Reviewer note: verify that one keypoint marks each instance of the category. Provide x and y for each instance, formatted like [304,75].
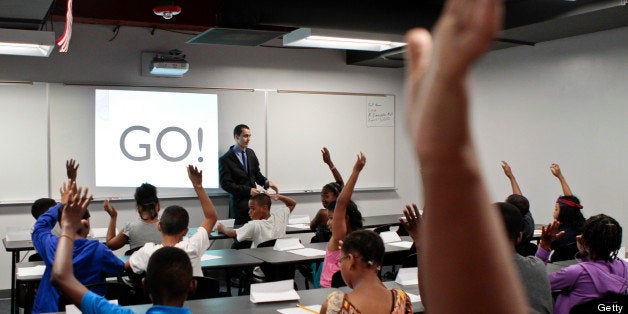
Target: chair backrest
[206,288]
[565,252]
[35,258]
[131,251]
[381,229]
[409,261]
[114,291]
[595,305]
[239,245]
[337,281]
[269,243]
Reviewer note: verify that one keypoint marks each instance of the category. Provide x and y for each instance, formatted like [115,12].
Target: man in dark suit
[239,174]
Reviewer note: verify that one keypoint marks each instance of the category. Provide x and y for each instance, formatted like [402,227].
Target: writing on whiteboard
[380,112]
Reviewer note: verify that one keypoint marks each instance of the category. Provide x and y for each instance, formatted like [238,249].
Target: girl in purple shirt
[599,271]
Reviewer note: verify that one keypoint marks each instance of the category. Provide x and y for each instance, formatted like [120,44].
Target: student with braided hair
[599,271]
[136,233]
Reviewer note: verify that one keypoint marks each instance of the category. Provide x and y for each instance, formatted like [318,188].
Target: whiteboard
[72,132]
[24,138]
[300,124]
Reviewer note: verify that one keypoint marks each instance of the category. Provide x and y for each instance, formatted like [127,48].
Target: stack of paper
[18,234]
[308,252]
[31,271]
[392,238]
[273,291]
[408,276]
[288,244]
[225,222]
[299,219]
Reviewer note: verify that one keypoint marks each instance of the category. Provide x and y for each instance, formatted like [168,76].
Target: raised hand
[360,162]
[326,156]
[66,190]
[74,210]
[555,169]
[412,223]
[110,209]
[507,170]
[71,168]
[195,175]
[273,186]
[550,233]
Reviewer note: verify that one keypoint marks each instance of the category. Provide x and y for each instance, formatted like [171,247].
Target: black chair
[131,251]
[564,253]
[114,291]
[593,306]
[206,288]
[337,281]
[527,249]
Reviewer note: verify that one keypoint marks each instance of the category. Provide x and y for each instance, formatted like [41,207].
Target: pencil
[305,308]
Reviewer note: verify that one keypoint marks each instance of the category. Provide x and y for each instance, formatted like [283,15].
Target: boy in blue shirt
[93,261]
[168,275]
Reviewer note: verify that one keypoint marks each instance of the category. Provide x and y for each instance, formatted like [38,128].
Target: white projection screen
[150,136]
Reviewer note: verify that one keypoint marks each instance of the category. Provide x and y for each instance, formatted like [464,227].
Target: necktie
[244,163]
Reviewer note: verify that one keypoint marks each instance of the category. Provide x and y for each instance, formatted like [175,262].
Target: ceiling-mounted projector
[172,64]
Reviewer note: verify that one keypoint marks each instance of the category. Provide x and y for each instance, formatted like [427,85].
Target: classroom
[560,101]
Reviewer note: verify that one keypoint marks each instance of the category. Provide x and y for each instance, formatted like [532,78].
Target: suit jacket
[238,183]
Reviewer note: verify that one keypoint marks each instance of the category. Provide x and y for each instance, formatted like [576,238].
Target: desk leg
[16,259]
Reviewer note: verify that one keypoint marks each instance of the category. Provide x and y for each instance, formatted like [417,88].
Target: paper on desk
[403,244]
[100,232]
[18,234]
[300,226]
[31,271]
[389,236]
[297,310]
[537,232]
[273,291]
[285,244]
[225,222]
[414,298]
[407,276]
[299,219]
[209,257]
[72,309]
[308,252]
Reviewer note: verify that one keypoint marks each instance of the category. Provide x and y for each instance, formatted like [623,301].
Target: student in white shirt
[174,226]
[266,224]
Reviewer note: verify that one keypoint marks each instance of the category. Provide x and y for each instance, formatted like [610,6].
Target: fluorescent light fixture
[26,42]
[336,39]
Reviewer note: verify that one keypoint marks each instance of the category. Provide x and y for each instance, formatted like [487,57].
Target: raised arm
[290,203]
[339,226]
[62,276]
[555,169]
[114,241]
[412,224]
[334,171]
[71,168]
[511,177]
[209,211]
[459,217]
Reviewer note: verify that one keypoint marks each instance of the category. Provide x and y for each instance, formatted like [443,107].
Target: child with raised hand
[599,272]
[329,193]
[174,226]
[344,219]
[456,200]
[168,279]
[568,214]
[93,261]
[521,202]
[361,257]
[136,233]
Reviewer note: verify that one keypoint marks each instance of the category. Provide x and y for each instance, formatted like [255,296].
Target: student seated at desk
[599,271]
[139,232]
[531,269]
[174,226]
[344,218]
[568,212]
[94,262]
[361,257]
[524,247]
[266,224]
[168,275]
[329,193]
